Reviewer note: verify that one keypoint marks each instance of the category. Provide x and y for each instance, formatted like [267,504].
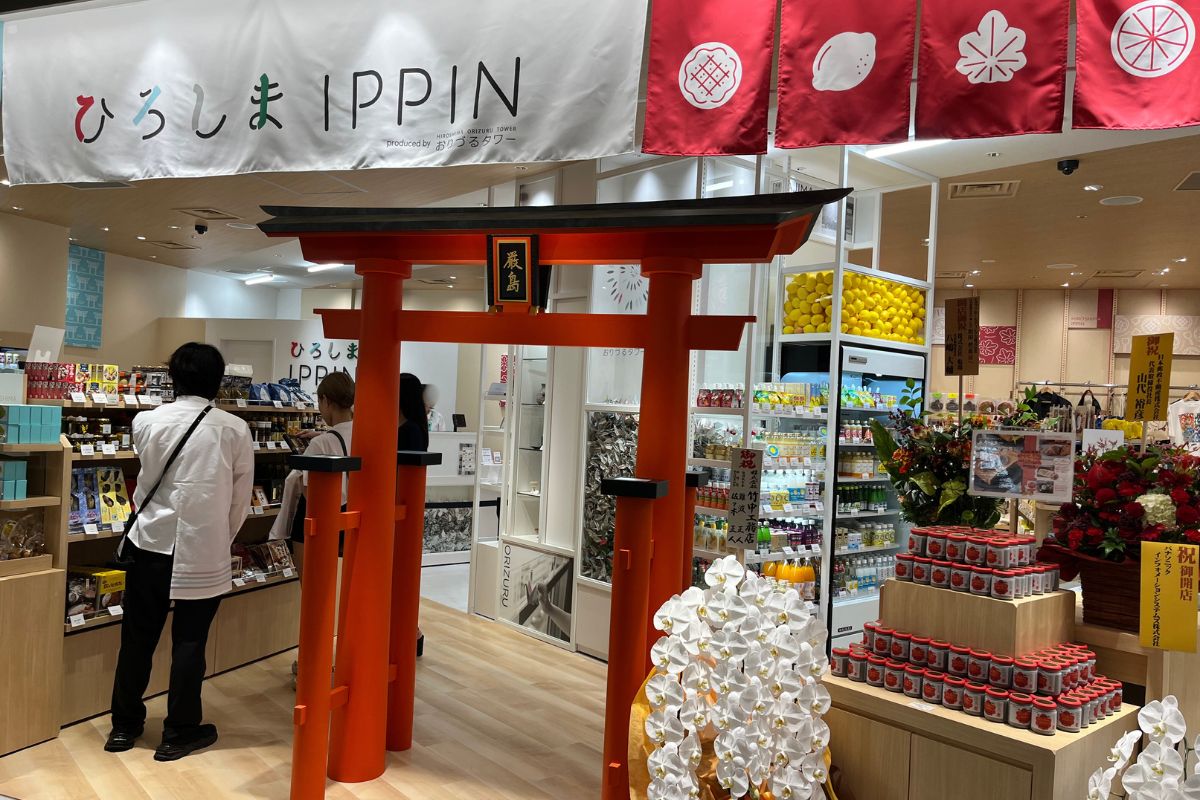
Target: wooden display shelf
[23,566]
[26,449]
[29,502]
[120,455]
[934,752]
[1008,627]
[31,660]
[100,620]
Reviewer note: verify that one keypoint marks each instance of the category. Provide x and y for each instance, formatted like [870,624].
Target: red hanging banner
[1134,65]
[709,77]
[991,68]
[844,72]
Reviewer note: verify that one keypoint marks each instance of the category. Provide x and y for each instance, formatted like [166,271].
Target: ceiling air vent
[211,214]
[1119,273]
[951,276]
[83,187]
[983,190]
[1189,184]
[172,245]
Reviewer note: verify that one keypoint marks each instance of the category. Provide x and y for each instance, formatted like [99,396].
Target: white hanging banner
[189,88]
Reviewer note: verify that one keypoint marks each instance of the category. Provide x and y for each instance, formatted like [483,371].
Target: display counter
[892,747]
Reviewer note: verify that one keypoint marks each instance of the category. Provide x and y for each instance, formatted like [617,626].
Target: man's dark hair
[196,369]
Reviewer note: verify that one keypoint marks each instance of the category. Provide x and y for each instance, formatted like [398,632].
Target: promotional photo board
[1022,465]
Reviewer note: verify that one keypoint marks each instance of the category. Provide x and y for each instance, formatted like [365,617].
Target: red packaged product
[1069,711]
[914,678]
[1045,716]
[957,661]
[952,692]
[979,663]
[1020,710]
[875,666]
[931,691]
[940,574]
[893,676]
[939,653]
[921,569]
[918,651]
[973,695]
[1000,673]
[995,705]
[882,644]
[981,581]
[901,643]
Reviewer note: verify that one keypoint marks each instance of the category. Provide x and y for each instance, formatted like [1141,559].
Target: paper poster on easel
[1022,465]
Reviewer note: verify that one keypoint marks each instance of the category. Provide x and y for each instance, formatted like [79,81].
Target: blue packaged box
[22,489]
[8,490]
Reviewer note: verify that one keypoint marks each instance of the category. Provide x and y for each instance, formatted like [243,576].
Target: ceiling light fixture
[1081,216]
[988,261]
[1066,286]
[1181,260]
[1093,187]
[993,154]
[105,229]
[324,267]
[17,208]
[903,147]
[257,279]
[976,272]
[173,227]
[719,185]
[141,238]
[1121,200]
[969,285]
[5,182]
[242,226]
[450,286]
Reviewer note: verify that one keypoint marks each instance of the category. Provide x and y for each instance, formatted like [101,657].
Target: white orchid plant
[1161,770]
[738,666]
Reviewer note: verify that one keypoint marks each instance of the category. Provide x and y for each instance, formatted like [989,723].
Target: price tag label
[87,450]
[255,446]
[238,582]
[278,403]
[118,527]
[788,507]
[301,406]
[145,399]
[241,403]
[115,611]
[289,573]
[78,397]
[76,620]
[766,508]
[91,529]
[260,578]
[256,510]
[272,445]
[131,400]
[789,551]
[100,398]
[108,449]
[919,706]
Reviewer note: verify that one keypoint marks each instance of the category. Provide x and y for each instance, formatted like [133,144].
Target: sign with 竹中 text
[745,480]
[190,88]
[1168,612]
[962,336]
[1150,377]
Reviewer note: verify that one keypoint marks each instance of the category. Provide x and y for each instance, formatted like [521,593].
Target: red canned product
[893,676]
[1045,716]
[931,687]
[935,544]
[1071,668]
[1118,692]
[1001,672]
[916,541]
[914,679]
[995,705]
[1036,580]
[1003,584]
[869,629]
[958,660]
[1050,677]
[1089,705]
[903,567]
[981,581]
[976,550]
[901,642]
[838,660]
[1020,710]
[973,695]
[998,554]
[1025,675]
[856,667]
[1069,712]
[979,662]
[940,574]
[1088,673]
[875,666]
[952,692]
[882,644]
[960,577]
[921,569]
[1051,572]
[956,547]
[939,653]
[918,651]
[1022,583]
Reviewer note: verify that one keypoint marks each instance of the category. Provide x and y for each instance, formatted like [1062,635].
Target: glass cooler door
[867,529]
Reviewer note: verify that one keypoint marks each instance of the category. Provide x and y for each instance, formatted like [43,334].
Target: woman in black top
[414,431]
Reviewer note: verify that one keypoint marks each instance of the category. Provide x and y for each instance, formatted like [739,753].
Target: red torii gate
[671,240]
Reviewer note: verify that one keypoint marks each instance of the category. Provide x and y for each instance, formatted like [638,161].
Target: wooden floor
[499,715]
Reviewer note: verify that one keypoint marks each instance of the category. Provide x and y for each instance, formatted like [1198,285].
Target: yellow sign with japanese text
[1150,376]
[1169,577]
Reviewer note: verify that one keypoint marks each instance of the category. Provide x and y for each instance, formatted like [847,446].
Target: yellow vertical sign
[1169,575]
[1150,376]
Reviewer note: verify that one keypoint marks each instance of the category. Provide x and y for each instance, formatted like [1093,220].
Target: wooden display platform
[31,607]
[1008,627]
[891,747]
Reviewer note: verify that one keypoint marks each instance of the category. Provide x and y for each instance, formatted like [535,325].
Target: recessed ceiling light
[453,277]
[173,227]
[1061,266]
[1121,200]
[105,229]
[969,285]
[1093,187]
[993,154]
[521,169]
[1165,270]
[17,208]
[257,279]
[324,267]
[72,239]
[1066,285]
[1181,260]
[242,226]
[976,272]
[450,286]
[1081,216]
[141,238]
[1076,274]
[988,261]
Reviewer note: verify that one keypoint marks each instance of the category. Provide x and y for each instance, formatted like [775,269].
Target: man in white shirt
[180,549]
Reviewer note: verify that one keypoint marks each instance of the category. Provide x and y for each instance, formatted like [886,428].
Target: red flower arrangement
[1122,498]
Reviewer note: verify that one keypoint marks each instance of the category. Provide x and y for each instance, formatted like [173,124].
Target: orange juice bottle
[770,568]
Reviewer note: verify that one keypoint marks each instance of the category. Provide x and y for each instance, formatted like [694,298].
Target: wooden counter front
[951,754]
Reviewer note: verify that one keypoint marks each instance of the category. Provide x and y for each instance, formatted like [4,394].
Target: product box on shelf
[91,590]
[114,496]
[25,424]
[14,479]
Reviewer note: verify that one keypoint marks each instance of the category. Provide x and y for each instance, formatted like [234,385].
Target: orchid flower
[730,745]
[727,644]
[815,698]
[1100,784]
[782,645]
[673,615]
[669,655]
[787,683]
[667,789]
[692,597]
[758,765]
[696,677]
[1187,790]
[694,714]
[664,689]
[662,727]
[1121,752]
[790,784]
[727,713]
[820,735]
[756,700]
[787,715]
[1158,767]
[691,751]
[1162,721]
[732,776]
[792,746]
[724,609]
[725,573]
[813,767]
[727,677]
[791,612]
[666,762]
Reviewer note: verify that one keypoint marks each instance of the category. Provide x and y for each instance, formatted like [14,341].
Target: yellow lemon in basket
[788,329]
[810,329]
